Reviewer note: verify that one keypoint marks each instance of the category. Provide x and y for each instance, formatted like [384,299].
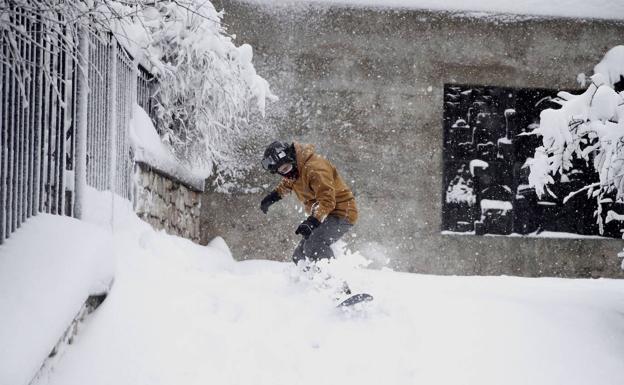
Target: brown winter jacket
[319,187]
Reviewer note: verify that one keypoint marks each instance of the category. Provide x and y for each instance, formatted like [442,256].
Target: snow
[460,191]
[599,9]
[477,163]
[48,268]
[612,65]
[543,234]
[490,204]
[149,149]
[613,216]
[182,313]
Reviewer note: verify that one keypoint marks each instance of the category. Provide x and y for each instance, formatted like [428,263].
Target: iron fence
[40,70]
[36,114]
[147,88]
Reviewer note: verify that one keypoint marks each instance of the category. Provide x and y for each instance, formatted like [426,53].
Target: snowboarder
[327,199]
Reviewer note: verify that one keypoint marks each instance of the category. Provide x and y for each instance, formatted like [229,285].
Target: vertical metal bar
[10,226]
[24,123]
[100,143]
[3,136]
[16,140]
[98,109]
[100,121]
[45,126]
[60,140]
[120,108]
[98,132]
[62,121]
[132,96]
[74,73]
[105,113]
[58,125]
[49,127]
[94,116]
[28,125]
[38,116]
[130,100]
[122,127]
[122,103]
[99,116]
[67,205]
[128,103]
[20,129]
[81,122]
[90,133]
[53,140]
[112,116]
[32,107]
[118,117]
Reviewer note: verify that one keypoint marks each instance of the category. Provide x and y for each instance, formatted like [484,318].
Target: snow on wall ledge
[583,9]
[149,149]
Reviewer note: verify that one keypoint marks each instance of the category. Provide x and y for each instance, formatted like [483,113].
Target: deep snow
[180,313]
[48,268]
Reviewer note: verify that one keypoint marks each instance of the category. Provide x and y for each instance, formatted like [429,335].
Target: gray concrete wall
[366,86]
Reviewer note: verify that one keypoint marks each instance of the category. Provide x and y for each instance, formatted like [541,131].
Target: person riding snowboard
[327,199]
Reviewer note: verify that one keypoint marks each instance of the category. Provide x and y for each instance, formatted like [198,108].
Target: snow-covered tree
[588,127]
[208,87]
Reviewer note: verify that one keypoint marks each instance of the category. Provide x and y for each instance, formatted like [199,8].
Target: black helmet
[276,154]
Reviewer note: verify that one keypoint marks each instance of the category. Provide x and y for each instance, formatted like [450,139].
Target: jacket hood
[303,153]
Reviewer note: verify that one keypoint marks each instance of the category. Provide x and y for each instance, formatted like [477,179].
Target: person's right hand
[269,200]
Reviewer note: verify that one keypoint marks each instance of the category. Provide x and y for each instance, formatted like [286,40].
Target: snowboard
[354,299]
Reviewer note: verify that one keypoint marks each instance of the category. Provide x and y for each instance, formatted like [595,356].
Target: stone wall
[366,86]
[166,203]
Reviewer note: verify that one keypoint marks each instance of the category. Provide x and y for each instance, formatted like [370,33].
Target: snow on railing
[45,156]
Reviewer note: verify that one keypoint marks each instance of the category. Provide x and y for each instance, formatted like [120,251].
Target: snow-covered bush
[208,87]
[588,127]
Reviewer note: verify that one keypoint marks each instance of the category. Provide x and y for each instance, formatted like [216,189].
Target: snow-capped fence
[63,127]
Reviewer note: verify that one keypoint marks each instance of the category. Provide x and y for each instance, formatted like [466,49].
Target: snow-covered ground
[599,9]
[180,313]
[48,268]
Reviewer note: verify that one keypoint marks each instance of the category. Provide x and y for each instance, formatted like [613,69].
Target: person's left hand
[307,227]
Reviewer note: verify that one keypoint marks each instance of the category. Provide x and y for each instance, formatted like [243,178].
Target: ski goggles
[271,161]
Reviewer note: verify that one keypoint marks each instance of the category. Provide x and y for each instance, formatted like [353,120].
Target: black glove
[306,227]
[269,200]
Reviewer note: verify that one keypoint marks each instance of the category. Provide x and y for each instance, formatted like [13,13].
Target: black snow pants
[318,246]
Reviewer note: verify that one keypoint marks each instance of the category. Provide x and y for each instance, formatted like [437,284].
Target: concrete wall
[366,86]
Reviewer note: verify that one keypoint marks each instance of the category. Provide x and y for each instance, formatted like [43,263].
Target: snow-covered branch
[588,127]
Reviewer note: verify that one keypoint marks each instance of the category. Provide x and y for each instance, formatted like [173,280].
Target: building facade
[380,93]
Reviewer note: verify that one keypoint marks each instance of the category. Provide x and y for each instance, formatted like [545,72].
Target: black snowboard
[356,298]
